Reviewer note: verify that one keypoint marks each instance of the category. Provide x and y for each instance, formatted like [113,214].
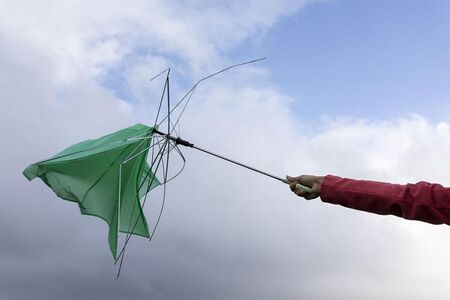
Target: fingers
[302,179]
[293,181]
[306,180]
[305,194]
[293,186]
[310,196]
[300,192]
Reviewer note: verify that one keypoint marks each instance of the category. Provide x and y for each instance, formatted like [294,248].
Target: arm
[422,201]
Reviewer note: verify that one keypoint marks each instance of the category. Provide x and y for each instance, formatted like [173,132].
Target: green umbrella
[106,177]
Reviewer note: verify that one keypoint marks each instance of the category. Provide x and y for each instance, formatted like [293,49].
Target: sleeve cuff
[327,188]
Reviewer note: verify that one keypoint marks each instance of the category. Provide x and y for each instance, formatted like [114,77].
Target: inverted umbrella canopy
[106,176]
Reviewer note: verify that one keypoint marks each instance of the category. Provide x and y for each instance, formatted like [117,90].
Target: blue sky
[363,59]
[357,59]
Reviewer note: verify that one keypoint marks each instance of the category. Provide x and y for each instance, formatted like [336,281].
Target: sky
[357,89]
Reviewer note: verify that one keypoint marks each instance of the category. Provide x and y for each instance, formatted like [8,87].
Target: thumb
[292,178]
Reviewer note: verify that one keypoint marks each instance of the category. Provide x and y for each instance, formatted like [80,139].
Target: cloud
[86,40]
[226,232]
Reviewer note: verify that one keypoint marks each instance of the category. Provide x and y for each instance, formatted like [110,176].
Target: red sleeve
[422,201]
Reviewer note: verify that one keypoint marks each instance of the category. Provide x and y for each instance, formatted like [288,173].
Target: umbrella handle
[298,186]
[302,187]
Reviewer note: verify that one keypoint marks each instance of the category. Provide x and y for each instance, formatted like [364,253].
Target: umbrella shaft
[298,186]
[180,141]
[240,164]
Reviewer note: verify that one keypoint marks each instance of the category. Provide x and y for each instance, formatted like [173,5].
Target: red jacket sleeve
[421,201]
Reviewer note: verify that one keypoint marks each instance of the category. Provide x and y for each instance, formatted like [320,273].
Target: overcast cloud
[225,233]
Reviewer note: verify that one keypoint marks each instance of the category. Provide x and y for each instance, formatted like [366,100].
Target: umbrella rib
[165,173]
[209,76]
[148,188]
[103,174]
[164,193]
[162,95]
[156,76]
[139,153]
[128,236]
[88,149]
[138,189]
[183,110]
[140,186]
[167,143]
[182,158]
[111,165]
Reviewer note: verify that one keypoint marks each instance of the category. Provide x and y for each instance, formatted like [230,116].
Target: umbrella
[106,177]
[109,176]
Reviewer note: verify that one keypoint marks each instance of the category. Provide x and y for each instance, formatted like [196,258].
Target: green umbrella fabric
[106,176]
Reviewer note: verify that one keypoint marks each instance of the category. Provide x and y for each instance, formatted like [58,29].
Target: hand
[314,182]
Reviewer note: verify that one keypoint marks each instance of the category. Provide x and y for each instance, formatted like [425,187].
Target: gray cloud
[225,233]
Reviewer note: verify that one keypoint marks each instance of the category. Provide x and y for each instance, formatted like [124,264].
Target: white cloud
[324,247]
[84,39]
